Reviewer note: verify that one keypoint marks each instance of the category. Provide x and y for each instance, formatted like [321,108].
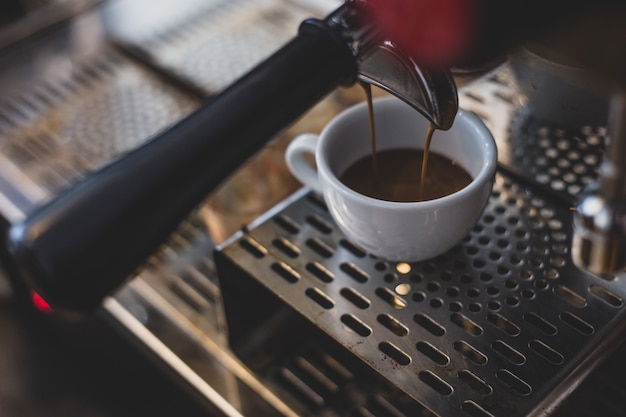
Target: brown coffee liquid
[423,171]
[404,175]
[370,113]
[399,176]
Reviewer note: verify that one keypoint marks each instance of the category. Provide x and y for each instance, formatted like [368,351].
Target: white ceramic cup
[397,231]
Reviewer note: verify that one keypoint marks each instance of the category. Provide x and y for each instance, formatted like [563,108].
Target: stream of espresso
[429,135]
[370,112]
[401,174]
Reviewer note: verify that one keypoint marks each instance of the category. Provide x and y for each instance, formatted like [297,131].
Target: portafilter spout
[432,92]
[81,246]
[431,89]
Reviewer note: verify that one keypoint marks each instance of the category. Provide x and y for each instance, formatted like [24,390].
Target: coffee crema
[398,175]
[403,175]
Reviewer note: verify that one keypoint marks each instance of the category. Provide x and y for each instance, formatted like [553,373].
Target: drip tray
[501,325]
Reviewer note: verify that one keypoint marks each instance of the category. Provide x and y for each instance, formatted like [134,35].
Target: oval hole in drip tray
[320,224]
[320,272]
[320,298]
[390,298]
[286,247]
[287,224]
[506,351]
[253,247]
[512,381]
[319,247]
[395,353]
[393,325]
[474,382]
[605,295]
[470,352]
[356,325]
[466,324]
[433,353]
[546,352]
[353,248]
[436,383]
[317,200]
[570,296]
[353,272]
[474,410]
[577,323]
[286,272]
[429,324]
[355,297]
[503,324]
[540,323]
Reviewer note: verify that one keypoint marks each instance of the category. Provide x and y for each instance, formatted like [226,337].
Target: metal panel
[502,324]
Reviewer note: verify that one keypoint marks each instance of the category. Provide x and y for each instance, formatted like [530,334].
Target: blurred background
[83,81]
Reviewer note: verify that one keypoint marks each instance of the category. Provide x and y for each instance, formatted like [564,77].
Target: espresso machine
[286,316]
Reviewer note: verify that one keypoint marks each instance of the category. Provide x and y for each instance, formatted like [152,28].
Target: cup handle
[299,167]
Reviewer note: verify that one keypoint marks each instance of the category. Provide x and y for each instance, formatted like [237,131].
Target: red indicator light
[41,304]
[432,32]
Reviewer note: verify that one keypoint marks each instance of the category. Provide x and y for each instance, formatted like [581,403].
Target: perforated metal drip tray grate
[501,325]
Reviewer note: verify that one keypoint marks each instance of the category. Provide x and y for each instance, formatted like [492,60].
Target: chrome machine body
[286,317]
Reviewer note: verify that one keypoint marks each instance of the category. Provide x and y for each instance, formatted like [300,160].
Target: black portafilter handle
[82,245]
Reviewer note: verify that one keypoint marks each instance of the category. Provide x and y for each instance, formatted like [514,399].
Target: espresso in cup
[403,175]
[389,228]
[396,175]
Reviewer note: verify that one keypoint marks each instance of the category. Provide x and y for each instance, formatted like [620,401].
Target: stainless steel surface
[381,63]
[221,43]
[83,104]
[54,368]
[560,94]
[212,43]
[86,102]
[556,159]
[556,90]
[599,242]
[431,92]
[37,15]
[66,126]
[504,324]
[173,309]
[500,325]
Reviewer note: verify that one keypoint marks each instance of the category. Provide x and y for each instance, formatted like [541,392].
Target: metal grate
[501,325]
[223,40]
[559,159]
[62,129]
[183,274]
[493,327]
